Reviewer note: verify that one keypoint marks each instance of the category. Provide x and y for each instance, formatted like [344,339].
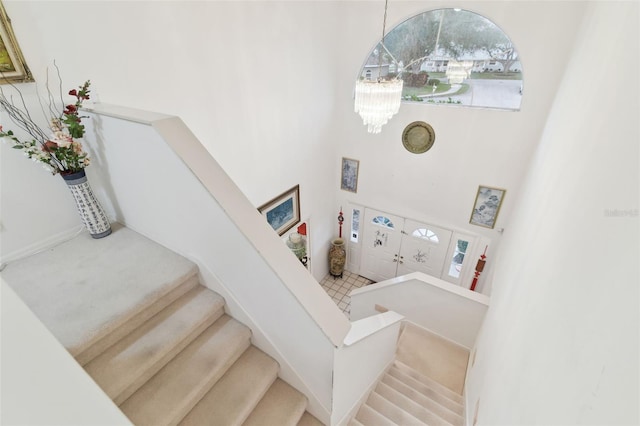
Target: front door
[380,245]
[424,248]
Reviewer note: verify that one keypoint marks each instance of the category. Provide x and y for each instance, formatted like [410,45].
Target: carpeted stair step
[429,387]
[355,422]
[434,356]
[367,415]
[129,363]
[431,414]
[440,406]
[308,419]
[171,394]
[282,405]
[231,400]
[391,411]
[137,315]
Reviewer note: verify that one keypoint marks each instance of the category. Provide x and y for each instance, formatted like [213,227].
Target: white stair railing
[368,350]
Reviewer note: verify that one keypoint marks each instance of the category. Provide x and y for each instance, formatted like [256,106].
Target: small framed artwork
[487,206]
[283,211]
[13,68]
[349,179]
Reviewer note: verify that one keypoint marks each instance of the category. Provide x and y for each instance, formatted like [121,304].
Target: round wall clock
[418,137]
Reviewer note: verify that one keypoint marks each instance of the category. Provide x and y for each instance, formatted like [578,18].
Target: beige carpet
[83,288]
[433,356]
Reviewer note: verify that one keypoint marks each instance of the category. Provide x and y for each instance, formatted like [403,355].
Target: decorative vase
[89,208]
[337,257]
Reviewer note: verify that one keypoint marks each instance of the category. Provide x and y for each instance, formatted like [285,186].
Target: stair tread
[169,395]
[428,415]
[425,396]
[231,400]
[308,419]
[427,381]
[391,411]
[367,415]
[434,356]
[128,364]
[282,405]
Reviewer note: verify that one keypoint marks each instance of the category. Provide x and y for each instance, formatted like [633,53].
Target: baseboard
[39,246]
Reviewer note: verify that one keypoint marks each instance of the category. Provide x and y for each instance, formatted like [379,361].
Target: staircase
[422,387]
[157,342]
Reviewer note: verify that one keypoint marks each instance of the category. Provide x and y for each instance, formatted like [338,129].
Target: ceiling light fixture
[378,100]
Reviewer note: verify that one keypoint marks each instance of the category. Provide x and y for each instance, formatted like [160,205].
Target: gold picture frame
[487,206]
[283,211]
[13,67]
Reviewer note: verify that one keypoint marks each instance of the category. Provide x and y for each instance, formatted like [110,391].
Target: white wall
[41,382]
[34,206]
[560,341]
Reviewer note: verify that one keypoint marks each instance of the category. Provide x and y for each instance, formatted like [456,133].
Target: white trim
[40,246]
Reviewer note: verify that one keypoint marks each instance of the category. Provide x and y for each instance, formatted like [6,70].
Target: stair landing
[433,356]
[112,280]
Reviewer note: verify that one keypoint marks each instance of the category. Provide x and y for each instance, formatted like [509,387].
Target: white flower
[63,142]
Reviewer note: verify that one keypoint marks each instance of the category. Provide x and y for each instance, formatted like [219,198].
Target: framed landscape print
[349,178]
[487,206]
[283,211]
[13,68]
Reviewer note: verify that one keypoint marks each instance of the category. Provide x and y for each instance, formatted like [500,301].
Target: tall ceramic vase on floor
[337,257]
[90,210]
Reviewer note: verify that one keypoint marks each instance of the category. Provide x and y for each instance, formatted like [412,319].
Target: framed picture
[487,206]
[283,211]
[349,179]
[13,68]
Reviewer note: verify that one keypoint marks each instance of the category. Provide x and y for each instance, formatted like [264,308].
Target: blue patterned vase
[90,210]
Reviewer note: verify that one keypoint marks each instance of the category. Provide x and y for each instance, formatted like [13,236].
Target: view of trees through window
[450,56]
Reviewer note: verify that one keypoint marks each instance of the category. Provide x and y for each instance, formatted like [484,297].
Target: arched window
[426,234]
[383,221]
[450,56]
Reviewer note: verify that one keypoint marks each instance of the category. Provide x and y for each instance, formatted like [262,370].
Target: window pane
[450,56]
[355,225]
[458,258]
[383,221]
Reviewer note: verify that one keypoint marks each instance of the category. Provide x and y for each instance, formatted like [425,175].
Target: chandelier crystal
[377,102]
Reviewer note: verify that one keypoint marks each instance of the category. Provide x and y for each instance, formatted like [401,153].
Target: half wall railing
[448,310]
[156,178]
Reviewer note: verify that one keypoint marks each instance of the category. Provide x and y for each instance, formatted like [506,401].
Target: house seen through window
[450,56]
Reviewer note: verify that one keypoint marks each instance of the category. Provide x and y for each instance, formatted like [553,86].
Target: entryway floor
[339,288]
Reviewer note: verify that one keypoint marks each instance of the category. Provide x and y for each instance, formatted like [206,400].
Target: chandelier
[378,100]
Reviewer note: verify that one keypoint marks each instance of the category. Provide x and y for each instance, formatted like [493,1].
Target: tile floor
[339,288]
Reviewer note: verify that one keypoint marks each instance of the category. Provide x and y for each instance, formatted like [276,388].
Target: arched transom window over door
[450,56]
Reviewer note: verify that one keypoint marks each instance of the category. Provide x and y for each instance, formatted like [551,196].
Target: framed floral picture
[349,178]
[13,68]
[487,206]
[283,212]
